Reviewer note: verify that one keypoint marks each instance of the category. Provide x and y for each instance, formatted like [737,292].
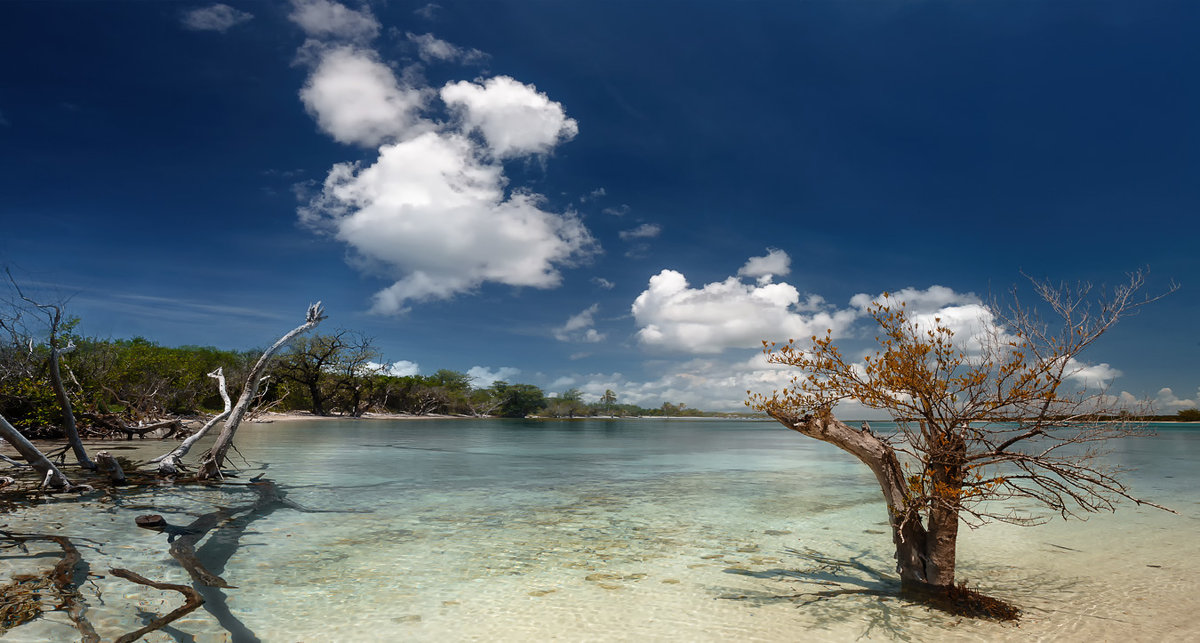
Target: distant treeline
[1186,415]
[137,380]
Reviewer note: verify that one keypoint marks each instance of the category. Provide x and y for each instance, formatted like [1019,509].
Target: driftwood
[8,460]
[170,464]
[191,602]
[21,601]
[210,465]
[110,467]
[54,319]
[40,463]
[112,425]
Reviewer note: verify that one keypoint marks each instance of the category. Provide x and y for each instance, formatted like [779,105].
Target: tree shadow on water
[853,590]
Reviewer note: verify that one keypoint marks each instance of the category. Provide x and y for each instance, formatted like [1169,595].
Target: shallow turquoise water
[616,530]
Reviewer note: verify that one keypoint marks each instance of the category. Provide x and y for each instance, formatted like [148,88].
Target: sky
[601,195]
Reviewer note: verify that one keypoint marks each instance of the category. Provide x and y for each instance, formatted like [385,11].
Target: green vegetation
[1188,415]
[127,381]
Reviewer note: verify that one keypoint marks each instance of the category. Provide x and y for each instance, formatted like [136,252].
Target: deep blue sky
[153,161]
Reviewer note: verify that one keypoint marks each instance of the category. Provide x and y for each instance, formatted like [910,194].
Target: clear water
[592,530]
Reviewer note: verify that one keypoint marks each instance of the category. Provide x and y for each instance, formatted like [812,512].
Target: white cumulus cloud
[726,314]
[713,384]
[514,118]
[435,212]
[1090,375]
[432,213]
[357,99]
[402,368]
[332,20]
[776,263]
[972,323]
[218,17]
[929,300]
[1168,402]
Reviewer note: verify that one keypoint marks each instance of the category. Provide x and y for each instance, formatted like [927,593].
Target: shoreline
[305,416]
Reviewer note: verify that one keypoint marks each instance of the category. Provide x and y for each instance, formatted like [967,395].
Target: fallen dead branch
[192,600]
[21,600]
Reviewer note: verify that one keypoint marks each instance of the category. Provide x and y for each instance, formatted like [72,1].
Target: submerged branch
[192,600]
[20,601]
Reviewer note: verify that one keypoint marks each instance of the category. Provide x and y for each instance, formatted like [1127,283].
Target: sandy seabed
[703,552]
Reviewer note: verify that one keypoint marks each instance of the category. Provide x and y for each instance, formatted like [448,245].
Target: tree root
[20,601]
[192,601]
[961,600]
[27,597]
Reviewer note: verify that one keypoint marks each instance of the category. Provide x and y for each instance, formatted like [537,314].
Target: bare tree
[988,418]
[171,463]
[54,321]
[210,465]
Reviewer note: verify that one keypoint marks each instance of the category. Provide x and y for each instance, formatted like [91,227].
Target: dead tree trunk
[54,316]
[171,463]
[60,392]
[210,466]
[50,473]
[921,554]
[110,467]
[191,597]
